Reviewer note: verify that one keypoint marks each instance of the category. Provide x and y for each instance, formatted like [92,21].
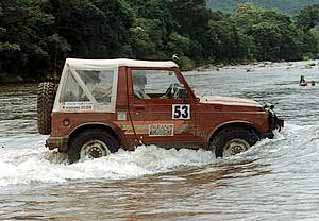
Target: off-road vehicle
[102,105]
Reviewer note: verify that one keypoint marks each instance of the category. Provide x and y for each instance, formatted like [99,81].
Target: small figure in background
[302,82]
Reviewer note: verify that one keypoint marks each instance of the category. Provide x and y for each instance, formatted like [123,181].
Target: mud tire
[45,101]
[220,141]
[76,144]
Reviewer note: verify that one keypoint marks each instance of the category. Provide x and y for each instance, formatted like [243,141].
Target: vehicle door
[161,109]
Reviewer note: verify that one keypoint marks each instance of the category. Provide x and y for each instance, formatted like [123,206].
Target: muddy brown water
[276,180]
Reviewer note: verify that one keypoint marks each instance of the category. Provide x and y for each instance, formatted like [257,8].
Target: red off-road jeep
[106,104]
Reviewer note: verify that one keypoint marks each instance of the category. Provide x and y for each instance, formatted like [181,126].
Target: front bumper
[60,143]
[275,123]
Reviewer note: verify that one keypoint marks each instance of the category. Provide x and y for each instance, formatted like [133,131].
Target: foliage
[36,36]
[309,17]
[275,35]
[286,6]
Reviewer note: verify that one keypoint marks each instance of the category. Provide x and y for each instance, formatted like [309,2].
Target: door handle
[140,107]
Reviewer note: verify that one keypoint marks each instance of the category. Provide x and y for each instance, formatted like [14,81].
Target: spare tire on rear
[45,101]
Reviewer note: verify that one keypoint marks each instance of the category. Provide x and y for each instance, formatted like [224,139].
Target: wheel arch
[108,128]
[243,124]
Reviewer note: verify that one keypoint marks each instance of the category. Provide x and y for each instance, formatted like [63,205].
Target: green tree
[227,44]
[308,18]
[191,16]
[142,35]
[276,36]
[94,29]
[152,28]
[179,44]
[24,37]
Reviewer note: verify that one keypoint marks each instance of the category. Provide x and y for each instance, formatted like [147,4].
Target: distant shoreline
[202,68]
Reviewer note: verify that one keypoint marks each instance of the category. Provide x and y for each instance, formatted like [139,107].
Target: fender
[231,123]
[115,129]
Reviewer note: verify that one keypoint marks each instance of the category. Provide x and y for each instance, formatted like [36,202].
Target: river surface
[276,180]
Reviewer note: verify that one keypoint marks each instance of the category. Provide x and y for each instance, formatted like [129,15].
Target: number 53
[181,112]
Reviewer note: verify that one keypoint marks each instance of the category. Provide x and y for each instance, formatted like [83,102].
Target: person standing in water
[302,81]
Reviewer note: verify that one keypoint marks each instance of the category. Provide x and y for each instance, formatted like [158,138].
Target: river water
[276,180]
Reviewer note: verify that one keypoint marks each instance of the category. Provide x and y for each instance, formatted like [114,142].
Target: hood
[229,101]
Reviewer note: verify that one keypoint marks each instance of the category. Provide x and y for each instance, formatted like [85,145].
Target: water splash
[37,165]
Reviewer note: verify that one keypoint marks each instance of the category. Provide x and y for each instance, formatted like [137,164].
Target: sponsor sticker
[161,130]
[78,106]
[139,129]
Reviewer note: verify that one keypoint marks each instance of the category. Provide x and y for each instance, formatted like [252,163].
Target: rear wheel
[92,144]
[233,140]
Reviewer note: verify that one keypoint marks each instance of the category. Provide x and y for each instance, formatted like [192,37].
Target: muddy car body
[106,104]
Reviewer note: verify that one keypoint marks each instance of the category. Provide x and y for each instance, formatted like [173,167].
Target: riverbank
[249,67]
[6,79]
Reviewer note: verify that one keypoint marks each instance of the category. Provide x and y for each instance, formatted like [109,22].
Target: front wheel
[92,144]
[232,141]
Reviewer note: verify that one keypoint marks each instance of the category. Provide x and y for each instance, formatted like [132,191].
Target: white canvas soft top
[90,85]
[117,62]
